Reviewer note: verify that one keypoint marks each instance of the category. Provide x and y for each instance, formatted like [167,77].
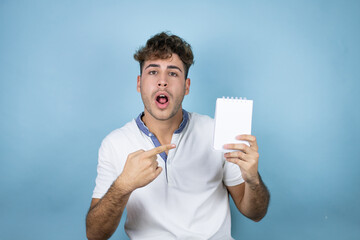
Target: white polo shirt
[188,200]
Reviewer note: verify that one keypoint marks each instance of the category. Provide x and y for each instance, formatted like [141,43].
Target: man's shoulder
[120,134]
[197,118]
[200,123]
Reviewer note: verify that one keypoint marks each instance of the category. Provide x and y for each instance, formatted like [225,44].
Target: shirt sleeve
[232,174]
[106,170]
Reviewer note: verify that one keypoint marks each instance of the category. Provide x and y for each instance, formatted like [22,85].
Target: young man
[161,166]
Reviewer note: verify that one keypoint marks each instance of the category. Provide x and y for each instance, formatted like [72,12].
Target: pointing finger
[160,149]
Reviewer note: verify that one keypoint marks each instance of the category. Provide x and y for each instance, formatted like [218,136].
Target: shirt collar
[144,129]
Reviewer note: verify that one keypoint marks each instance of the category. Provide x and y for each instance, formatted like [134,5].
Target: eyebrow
[174,67]
[152,65]
[168,67]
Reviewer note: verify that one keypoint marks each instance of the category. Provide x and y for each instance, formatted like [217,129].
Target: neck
[163,129]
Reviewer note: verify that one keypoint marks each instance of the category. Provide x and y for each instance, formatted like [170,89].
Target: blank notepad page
[232,117]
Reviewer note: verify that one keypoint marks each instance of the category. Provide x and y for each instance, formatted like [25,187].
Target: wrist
[122,185]
[254,181]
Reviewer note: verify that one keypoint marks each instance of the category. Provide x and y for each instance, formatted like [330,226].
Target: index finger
[160,149]
[249,138]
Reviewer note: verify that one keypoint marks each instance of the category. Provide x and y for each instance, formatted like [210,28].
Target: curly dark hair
[162,46]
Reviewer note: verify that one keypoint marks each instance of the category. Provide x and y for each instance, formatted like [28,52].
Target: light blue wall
[67,78]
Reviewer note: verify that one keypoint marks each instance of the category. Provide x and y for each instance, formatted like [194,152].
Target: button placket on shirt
[170,158]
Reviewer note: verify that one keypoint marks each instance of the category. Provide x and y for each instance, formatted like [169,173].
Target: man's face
[163,86]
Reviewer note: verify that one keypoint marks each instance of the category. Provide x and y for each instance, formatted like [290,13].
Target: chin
[164,114]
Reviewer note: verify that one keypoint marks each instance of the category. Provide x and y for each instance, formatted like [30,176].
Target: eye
[153,72]
[173,74]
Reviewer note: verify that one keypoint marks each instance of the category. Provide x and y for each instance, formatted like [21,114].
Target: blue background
[68,78]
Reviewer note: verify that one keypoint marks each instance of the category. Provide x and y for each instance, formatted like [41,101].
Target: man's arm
[104,214]
[252,197]
[251,202]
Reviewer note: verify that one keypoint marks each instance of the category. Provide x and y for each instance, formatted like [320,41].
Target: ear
[138,83]
[187,86]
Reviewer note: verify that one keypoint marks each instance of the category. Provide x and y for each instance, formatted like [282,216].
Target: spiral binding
[235,99]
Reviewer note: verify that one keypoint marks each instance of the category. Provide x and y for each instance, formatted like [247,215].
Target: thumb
[158,171]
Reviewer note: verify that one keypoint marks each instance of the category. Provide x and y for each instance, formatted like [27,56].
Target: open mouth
[162,99]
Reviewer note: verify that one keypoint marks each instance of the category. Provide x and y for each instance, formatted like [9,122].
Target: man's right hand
[141,168]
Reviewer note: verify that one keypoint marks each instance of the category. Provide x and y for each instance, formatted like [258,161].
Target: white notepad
[232,117]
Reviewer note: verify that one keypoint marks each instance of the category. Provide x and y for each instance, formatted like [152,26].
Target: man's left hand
[246,157]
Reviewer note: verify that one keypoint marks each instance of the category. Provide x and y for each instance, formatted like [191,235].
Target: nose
[162,82]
